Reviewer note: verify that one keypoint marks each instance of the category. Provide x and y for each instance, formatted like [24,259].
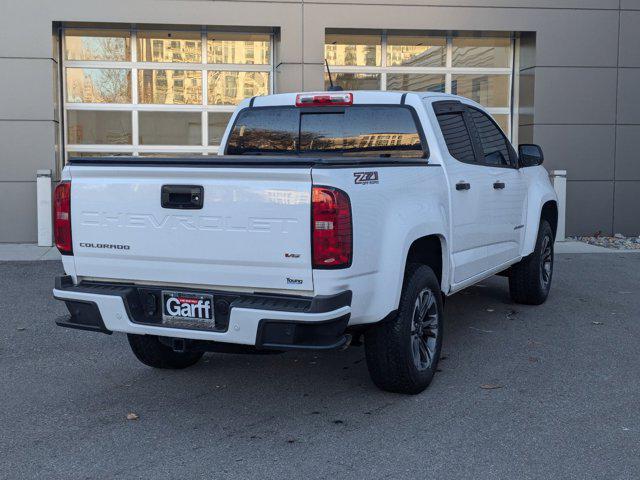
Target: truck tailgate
[252,230]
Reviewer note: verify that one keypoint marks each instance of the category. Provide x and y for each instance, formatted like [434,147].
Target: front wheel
[402,353]
[530,279]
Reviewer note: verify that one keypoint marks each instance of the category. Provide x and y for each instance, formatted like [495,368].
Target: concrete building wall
[579,77]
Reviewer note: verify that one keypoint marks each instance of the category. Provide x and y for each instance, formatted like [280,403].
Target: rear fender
[416,234]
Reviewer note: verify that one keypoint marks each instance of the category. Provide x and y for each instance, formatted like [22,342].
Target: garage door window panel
[416,83]
[354,81]
[170,128]
[239,48]
[487,90]
[97,45]
[169,46]
[170,87]
[353,50]
[477,52]
[86,127]
[230,88]
[217,125]
[98,85]
[416,51]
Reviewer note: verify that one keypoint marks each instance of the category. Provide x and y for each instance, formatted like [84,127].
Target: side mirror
[530,155]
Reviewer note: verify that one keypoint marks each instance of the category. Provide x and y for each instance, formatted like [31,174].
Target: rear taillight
[324,99]
[331,228]
[62,218]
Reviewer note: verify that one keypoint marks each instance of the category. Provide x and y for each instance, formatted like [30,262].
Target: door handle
[463,186]
[499,185]
[182,197]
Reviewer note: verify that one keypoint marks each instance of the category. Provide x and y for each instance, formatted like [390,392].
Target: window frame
[133,66]
[426,153]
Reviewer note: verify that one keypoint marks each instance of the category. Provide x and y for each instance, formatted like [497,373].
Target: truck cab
[327,217]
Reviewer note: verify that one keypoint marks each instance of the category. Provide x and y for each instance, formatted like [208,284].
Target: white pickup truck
[327,219]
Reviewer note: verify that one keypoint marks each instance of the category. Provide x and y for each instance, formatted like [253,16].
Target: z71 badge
[366,178]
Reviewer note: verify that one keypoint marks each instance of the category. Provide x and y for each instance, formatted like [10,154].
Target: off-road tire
[389,347]
[529,282]
[150,351]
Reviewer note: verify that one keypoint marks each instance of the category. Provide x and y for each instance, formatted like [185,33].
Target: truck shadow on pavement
[478,311]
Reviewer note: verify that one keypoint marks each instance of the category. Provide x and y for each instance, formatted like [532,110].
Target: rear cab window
[376,131]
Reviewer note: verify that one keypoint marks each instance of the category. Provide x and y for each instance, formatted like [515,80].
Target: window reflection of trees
[98,85]
[97,48]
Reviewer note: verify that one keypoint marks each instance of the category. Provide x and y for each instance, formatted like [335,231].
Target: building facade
[161,77]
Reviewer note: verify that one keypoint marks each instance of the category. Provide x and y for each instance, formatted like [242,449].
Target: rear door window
[369,130]
[456,136]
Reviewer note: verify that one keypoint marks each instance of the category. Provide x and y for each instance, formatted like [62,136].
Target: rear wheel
[530,279]
[402,353]
[153,353]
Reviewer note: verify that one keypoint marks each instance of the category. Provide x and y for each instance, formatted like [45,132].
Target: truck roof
[359,96]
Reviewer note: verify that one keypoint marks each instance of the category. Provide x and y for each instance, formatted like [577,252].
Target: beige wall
[580,71]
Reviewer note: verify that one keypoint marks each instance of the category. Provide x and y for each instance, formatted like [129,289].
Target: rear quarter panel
[406,203]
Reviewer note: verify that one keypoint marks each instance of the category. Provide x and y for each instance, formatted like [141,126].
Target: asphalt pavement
[561,396]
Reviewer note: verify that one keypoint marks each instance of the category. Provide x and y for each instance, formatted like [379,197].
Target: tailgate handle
[183,197]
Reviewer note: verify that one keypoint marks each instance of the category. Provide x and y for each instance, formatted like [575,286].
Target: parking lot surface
[523,393]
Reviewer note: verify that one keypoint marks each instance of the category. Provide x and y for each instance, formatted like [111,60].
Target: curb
[20,252]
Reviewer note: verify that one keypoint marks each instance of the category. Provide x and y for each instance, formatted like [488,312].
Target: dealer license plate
[187,309]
